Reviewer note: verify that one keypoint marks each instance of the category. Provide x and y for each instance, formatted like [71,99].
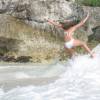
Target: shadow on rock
[21,59]
[96,34]
[8,44]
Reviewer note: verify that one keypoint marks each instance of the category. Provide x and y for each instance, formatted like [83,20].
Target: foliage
[89,2]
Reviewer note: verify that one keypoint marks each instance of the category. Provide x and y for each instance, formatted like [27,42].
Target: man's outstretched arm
[82,22]
[54,23]
[73,28]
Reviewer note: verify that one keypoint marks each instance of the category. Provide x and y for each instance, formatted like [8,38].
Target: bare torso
[67,36]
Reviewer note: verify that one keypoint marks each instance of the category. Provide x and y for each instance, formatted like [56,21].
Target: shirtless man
[70,42]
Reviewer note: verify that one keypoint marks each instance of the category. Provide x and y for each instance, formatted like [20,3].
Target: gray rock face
[93,28]
[96,34]
[37,9]
[94,20]
[34,11]
[17,16]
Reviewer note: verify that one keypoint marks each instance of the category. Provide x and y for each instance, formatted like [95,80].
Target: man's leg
[82,44]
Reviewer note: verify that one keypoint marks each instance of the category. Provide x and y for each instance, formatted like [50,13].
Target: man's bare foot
[93,55]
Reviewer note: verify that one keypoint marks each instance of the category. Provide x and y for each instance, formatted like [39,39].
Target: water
[79,79]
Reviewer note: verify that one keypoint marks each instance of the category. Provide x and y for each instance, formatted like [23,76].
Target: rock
[94,19]
[23,59]
[8,58]
[21,39]
[96,34]
[22,21]
[8,44]
[71,0]
[34,11]
[96,31]
[97,49]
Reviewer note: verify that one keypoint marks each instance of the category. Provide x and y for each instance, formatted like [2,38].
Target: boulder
[96,34]
[91,28]
[94,19]
[23,22]
[34,11]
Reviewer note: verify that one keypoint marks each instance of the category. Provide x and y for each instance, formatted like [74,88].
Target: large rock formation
[23,21]
[93,28]
[96,34]
[34,11]
[94,20]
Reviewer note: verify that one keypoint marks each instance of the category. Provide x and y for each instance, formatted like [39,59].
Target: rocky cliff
[22,23]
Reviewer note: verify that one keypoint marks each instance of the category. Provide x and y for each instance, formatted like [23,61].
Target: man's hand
[46,18]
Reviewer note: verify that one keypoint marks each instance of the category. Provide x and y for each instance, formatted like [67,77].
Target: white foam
[81,81]
[21,75]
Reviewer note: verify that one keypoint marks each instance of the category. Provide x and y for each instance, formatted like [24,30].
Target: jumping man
[70,42]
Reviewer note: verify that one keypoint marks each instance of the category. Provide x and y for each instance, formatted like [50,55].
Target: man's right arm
[54,23]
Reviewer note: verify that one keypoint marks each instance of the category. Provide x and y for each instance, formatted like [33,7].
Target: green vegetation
[89,2]
[91,44]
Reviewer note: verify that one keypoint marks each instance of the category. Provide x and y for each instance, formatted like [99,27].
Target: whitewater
[75,79]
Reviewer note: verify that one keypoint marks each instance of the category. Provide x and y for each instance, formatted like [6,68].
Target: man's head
[67,25]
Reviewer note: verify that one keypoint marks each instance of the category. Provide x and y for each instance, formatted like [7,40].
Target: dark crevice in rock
[21,59]
[8,44]
[96,34]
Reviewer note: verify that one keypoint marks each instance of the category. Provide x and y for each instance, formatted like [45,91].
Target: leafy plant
[89,2]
